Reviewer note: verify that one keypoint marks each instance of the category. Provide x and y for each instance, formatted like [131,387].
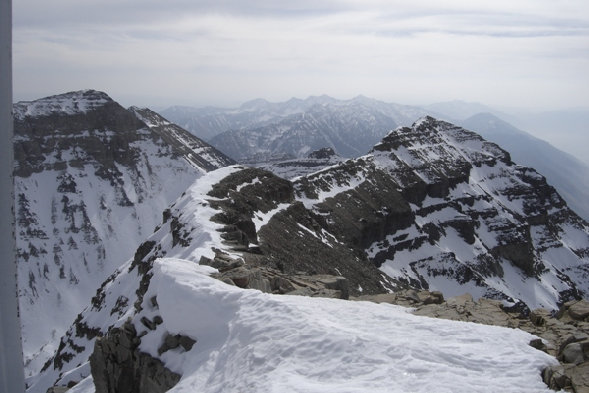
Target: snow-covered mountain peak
[70,103]
[466,218]
[91,182]
[430,134]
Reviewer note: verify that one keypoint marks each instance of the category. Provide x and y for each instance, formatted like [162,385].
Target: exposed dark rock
[222,261]
[294,240]
[118,367]
[271,280]
[176,341]
[58,389]
[179,234]
[323,153]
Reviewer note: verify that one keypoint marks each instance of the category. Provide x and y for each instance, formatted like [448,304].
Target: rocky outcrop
[118,366]
[293,168]
[436,206]
[234,271]
[573,351]
[295,241]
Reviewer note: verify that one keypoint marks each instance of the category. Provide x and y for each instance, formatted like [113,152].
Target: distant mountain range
[260,131]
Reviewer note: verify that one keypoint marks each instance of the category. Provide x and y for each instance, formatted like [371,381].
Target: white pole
[11,359]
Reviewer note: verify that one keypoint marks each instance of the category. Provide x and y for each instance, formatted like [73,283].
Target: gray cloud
[220,52]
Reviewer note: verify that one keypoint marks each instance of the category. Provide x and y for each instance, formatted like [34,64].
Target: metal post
[11,359]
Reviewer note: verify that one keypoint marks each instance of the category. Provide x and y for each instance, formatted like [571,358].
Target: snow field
[250,341]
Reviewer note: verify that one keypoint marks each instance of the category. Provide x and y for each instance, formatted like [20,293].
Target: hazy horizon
[527,54]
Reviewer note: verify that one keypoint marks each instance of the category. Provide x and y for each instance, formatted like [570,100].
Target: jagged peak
[427,133]
[73,102]
[425,120]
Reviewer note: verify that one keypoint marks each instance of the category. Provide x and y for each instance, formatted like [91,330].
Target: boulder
[573,353]
[176,341]
[579,310]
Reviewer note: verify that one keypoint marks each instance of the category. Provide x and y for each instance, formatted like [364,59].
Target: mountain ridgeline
[114,204]
[432,206]
[260,131]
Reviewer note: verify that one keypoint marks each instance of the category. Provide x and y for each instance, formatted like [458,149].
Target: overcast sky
[524,53]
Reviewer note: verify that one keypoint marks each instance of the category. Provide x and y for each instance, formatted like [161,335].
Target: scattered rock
[222,261]
[538,344]
[270,280]
[151,325]
[557,377]
[539,316]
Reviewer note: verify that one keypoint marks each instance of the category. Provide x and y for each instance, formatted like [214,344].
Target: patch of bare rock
[234,271]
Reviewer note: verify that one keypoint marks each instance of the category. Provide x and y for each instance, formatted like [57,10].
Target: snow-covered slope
[163,322]
[567,174]
[433,205]
[91,181]
[198,153]
[250,341]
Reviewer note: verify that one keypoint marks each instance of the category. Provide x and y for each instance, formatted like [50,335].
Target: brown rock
[579,376]
[579,310]
[539,316]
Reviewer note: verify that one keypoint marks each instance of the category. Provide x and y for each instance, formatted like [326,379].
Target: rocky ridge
[219,223]
[199,153]
[437,207]
[315,161]
[563,171]
[324,234]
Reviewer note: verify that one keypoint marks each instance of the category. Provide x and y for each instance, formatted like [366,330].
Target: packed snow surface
[249,341]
